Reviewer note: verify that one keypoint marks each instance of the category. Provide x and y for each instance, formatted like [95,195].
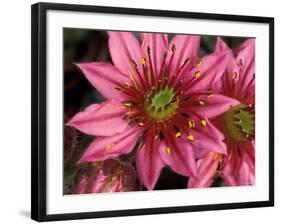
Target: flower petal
[179,155]
[103,119]
[158,44]
[208,137]
[246,59]
[148,161]
[207,168]
[106,79]
[187,46]
[124,47]
[210,71]
[231,76]
[221,46]
[103,148]
[211,106]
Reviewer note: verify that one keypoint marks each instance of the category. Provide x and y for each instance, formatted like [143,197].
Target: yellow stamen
[197,74]
[191,138]
[141,124]
[143,60]
[168,150]
[174,48]
[204,123]
[118,89]
[133,63]
[127,85]
[234,75]
[240,62]
[178,134]
[202,103]
[191,124]
[198,62]
[128,104]
[210,93]
[109,146]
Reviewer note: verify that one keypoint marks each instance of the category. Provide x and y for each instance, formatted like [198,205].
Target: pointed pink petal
[179,155]
[214,104]
[103,119]
[228,173]
[158,44]
[187,46]
[208,138]
[207,168]
[246,55]
[211,70]
[221,46]
[247,165]
[148,161]
[105,78]
[103,148]
[124,47]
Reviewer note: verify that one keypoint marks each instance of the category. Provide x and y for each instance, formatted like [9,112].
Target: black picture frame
[39,122]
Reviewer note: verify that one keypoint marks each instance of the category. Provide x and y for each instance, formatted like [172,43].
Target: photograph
[157,111]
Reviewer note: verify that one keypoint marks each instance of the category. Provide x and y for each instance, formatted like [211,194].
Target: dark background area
[83,45]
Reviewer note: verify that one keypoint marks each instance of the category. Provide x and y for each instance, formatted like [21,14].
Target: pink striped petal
[246,57]
[158,44]
[209,72]
[208,138]
[124,47]
[103,148]
[232,70]
[214,104]
[207,170]
[187,46]
[179,155]
[103,119]
[106,79]
[221,46]
[148,161]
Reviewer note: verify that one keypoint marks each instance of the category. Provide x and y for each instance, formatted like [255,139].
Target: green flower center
[162,104]
[239,122]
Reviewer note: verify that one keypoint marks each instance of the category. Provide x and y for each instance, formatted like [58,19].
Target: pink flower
[158,103]
[237,124]
[107,176]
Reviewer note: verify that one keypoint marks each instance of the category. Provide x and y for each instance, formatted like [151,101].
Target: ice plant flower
[157,98]
[237,124]
[107,176]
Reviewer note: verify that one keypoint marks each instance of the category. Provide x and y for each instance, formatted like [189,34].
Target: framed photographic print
[138,111]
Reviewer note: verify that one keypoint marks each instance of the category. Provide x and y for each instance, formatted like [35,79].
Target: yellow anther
[168,150]
[234,75]
[118,89]
[178,134]
[127,85]
[109,146]
[197,74]
[191,124]
[191,138]
[202,103]
[141,124]
[240,62]
[143,60]
[133,63]
[174,48]
[210,93]
[198,62]
[128,104]
[148,49]
[204,123]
